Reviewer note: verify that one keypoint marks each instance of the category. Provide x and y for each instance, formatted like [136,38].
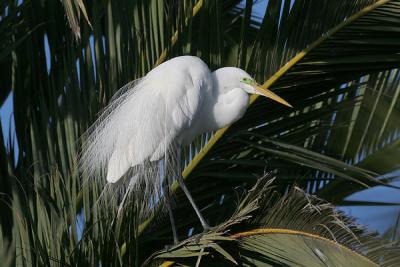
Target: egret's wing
[141,123]
[157,118]
[98,143]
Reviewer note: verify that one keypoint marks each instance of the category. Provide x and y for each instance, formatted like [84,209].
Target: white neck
[224,104]
[230,103]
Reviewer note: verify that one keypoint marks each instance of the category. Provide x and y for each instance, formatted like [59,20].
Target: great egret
[175,102]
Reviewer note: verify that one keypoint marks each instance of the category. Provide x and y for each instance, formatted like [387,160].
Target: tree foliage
[335,61]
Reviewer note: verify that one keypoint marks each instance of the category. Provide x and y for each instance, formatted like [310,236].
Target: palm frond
[323,60]
[292,229]
[60,84]
[13,31]
[237,155]
[73,10]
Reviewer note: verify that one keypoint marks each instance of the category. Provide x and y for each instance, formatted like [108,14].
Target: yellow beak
[269,94]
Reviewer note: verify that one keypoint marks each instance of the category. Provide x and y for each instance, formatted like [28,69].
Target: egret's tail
[120,145]
[139,191]
[99,141]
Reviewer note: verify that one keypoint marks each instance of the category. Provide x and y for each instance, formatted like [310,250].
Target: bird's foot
[198,237]
[170,247]
[206,229]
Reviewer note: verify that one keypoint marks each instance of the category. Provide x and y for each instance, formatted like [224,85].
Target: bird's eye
[246,80]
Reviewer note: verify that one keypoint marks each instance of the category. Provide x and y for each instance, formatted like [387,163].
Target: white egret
[175,102]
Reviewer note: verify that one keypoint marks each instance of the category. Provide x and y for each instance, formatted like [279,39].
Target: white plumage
[174,102]
[150,117]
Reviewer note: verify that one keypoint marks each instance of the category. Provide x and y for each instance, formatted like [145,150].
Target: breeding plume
[175,102]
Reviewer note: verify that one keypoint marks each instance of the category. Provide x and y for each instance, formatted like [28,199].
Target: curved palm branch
[58,96]
[314,78]
[295,229]
[327,59]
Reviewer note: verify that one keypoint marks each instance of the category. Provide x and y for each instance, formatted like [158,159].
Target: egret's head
[252,87]
[229,77]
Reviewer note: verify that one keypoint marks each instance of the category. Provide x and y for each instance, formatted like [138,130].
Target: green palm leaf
[237,155]
[49,218]
[295,229]
[287,248]
[321,62]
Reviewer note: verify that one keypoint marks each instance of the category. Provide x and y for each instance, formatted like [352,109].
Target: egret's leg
[182,184]
[191,200]
[165,188]
[121,205]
